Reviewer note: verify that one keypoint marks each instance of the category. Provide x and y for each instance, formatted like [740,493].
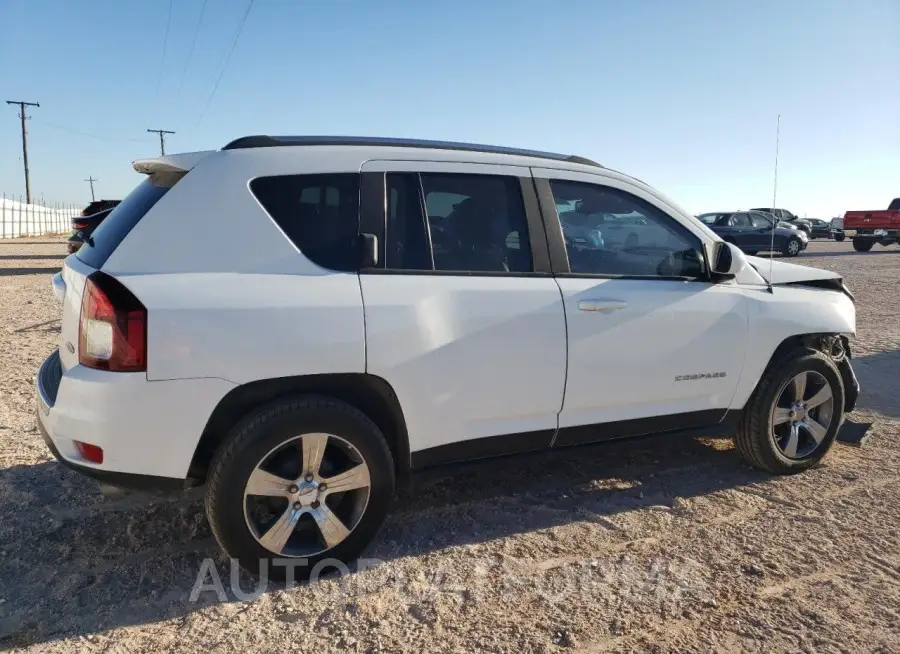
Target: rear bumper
[148,430]
[878,233]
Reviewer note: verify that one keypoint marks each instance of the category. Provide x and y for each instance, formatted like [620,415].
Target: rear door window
[116,226]
[318,213]
[456,222]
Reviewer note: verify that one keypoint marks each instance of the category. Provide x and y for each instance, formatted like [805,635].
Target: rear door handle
[603,306]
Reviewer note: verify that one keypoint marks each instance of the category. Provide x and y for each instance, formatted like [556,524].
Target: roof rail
[262,141]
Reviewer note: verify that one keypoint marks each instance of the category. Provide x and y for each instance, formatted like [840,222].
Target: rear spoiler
[171,163]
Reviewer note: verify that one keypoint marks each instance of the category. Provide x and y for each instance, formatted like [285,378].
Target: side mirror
[725,261]
[368,251]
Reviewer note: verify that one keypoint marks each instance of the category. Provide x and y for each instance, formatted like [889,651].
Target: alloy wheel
[802,414]
[306,495]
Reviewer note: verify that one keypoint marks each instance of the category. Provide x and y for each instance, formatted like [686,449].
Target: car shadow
[894,251]
[11,257]
[17,242]
[877,374]
[12,272]
[73,563]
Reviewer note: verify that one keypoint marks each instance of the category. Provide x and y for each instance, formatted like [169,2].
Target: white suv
[298,321]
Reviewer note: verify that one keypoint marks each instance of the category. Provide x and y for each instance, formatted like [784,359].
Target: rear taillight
[112,334]
[80,224]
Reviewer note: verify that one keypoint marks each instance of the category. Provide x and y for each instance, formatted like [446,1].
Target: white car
[279,321]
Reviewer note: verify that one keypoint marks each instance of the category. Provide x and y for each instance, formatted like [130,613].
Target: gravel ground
[658,545]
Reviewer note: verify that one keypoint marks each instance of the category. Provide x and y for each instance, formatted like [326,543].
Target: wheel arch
[371,394]
[834,344]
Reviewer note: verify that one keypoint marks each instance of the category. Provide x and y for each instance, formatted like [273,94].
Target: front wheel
[792,247]
[298,482]
[794,415]
[863,244]
[838,237]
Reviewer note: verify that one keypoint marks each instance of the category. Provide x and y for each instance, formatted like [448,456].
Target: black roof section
[281,141]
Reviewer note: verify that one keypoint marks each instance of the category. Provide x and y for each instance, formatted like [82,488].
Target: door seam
[566,374]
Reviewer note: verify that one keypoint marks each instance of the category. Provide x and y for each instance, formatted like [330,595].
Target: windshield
[710,218]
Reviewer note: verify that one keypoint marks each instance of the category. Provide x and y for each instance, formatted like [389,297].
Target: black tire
[839,237]
[863,244]
[258,434]
[755,440]
[792,247]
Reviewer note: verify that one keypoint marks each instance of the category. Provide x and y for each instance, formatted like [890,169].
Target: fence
[20,219]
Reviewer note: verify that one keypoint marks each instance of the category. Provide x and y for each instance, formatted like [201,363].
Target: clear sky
[680,93]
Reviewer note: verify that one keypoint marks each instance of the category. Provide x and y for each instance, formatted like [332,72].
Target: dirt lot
[658,545]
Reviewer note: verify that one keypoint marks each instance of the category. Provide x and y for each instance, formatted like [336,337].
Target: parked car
[85,224]
[818,228]
[753,232]
[786,216]
[837,229]
[83,227]
[301,342]
[871,227]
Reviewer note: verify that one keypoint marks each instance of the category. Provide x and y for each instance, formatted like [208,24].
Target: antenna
[774,198]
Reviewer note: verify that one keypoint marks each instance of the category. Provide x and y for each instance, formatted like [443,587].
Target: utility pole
[24,117]
[162,139]
[91,180]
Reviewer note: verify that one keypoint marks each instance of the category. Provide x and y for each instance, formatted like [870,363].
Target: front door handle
[603,306]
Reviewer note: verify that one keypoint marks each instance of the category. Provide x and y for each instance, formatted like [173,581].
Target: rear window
[121,220]
[318,213]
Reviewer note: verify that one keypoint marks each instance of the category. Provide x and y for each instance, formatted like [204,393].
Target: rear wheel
[792,247]
[794,415]
[306,480]
[862,244]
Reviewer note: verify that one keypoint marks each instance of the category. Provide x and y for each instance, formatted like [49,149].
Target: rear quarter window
[121,220]
[319,214]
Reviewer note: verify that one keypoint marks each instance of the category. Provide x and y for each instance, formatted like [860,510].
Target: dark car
[788,217]
[819,228]
[85,224]
[754,231]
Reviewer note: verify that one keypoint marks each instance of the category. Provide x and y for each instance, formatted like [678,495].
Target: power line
[24,116]
[112,139]
[187,63]
[91,180]
[162,62]
[227,58]
[162,139]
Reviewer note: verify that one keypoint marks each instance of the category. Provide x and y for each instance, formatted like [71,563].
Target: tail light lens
[80,224]
[112,334]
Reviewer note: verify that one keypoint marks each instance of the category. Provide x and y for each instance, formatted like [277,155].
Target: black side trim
[263,141]
[556,242]
[146,483]
[372,211]
[537,235]
[851,385]
[482,448]
[582,434]
[49,377]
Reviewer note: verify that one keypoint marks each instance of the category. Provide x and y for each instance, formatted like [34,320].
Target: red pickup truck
[873,227]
